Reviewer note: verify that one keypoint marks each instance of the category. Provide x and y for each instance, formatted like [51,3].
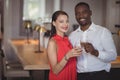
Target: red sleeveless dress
[69,71]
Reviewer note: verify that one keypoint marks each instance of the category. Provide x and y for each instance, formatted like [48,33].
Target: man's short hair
[82,3]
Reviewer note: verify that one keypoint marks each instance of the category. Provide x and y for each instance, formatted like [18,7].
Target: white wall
[112,18]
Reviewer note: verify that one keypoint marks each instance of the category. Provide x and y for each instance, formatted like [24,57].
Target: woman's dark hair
[82,3]
[54,18]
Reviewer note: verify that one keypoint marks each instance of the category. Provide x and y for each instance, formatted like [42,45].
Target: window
[33,9]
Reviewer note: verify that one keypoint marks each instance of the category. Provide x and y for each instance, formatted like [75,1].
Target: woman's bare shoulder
[52,42]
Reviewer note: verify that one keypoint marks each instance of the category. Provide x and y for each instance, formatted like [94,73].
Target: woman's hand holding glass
[76,51]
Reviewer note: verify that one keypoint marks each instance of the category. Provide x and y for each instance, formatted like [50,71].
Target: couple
[92,62]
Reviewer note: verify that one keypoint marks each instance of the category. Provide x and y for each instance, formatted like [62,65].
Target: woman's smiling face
[61,24]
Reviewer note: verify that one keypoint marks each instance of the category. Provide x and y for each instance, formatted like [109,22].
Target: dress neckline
[60,37]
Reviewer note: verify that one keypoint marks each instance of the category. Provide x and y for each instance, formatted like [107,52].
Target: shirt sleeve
[71,39]
[108,53]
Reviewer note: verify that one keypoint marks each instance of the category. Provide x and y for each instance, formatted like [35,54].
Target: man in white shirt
[98,46]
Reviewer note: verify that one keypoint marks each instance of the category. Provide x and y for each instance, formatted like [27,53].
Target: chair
[13,69]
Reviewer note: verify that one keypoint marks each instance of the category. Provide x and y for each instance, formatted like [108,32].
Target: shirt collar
[92,27]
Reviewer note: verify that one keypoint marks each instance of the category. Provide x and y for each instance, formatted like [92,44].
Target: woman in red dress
[61,55]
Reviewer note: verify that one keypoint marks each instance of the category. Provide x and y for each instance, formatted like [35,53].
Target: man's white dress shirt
[101,38]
